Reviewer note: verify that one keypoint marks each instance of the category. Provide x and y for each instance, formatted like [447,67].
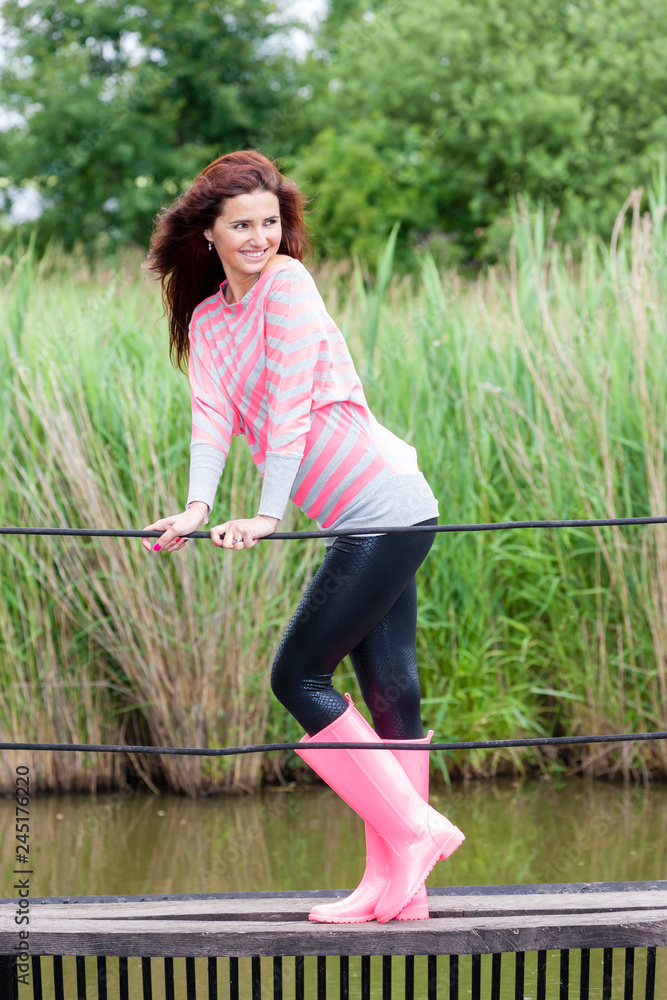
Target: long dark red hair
[178,253]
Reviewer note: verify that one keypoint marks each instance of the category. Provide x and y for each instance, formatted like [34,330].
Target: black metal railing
[628,973]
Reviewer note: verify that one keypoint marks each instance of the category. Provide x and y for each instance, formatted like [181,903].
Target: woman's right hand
[174,529]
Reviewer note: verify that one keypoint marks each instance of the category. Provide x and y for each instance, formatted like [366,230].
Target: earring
[210,245]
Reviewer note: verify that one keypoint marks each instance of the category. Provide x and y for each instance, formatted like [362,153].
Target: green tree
[434,114]
[124,104]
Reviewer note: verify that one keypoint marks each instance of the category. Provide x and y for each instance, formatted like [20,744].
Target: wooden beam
[242,927]
[295,909]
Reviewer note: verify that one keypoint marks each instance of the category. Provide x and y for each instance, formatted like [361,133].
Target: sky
[309,11]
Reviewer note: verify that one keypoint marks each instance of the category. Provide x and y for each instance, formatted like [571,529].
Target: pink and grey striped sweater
[276,368]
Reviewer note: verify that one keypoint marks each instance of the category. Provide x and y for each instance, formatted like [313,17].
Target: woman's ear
[207,235]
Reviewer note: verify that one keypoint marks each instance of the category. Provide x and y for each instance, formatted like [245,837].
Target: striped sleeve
[294,331]
[212,421]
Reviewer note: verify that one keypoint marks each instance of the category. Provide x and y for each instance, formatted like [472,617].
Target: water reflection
[138,842]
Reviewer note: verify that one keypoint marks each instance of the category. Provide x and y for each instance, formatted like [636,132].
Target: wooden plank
[518,889]
[298,908]
[322,895]
[440,935]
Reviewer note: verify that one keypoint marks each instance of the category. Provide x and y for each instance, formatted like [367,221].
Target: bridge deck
[464,920]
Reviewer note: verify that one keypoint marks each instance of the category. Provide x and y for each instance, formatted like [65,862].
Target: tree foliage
[125,103]
[428,114]
[436,113]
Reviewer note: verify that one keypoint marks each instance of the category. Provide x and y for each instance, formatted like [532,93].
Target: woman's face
[247,233]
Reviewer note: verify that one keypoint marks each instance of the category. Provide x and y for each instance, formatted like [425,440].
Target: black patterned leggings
[362,601]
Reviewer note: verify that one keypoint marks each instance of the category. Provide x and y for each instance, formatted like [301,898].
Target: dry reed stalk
[642,292]
[54,700]
[563,383]
[184,659]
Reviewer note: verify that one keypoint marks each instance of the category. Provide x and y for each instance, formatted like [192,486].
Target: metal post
[8,984]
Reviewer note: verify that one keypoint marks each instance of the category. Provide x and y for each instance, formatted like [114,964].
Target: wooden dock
[465,921]
[277,924]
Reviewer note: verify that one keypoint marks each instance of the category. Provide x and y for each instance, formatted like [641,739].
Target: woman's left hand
[247,529]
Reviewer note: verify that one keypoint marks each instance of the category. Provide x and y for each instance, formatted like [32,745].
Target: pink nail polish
[156,547]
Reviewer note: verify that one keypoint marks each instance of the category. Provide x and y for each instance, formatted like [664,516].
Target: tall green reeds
[532,393]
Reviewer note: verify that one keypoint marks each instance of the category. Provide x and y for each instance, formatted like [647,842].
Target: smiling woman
[243,242]
[266,360]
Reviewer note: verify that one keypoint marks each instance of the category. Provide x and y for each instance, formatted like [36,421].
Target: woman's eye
[271,222]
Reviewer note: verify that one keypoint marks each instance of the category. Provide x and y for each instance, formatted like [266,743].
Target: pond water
[517,832]
[533,831]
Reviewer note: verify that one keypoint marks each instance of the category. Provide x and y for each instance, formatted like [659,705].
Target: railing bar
[454,977]
[277,977]
[37,993]
[101,977]
[386,977]
[496,966]
[541,975]
[409,977]
[607,969]
[190,980]
[432,966]
[123,979]
[255,977]
[9,985]
[147,977]
[629,990]
[564,974]
[299,978]
[233,979]
[212,965]
[365,977]
[585,974]
[519,975]
[476,983]
[58,985]
[169,983]
[650,974]
[80,977]
[321,977]
[344,977]
[14,978]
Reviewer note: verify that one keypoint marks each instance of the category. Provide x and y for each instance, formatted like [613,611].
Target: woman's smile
[255,254]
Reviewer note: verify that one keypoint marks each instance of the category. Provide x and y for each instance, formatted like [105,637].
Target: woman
[266,360]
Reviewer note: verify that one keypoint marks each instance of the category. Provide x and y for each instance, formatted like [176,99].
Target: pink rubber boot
[415,765]
[360,905]
[374,784]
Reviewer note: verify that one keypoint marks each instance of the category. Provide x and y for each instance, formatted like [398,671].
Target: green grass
[536,392]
